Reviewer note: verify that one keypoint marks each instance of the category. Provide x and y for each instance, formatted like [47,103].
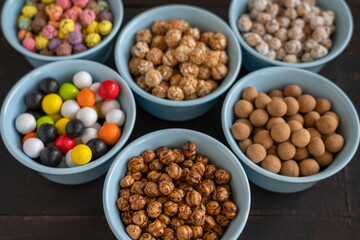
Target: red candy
[109,90]
[64,143]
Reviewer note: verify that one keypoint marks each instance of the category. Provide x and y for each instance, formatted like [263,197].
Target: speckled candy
[78,48]
[29,44]
[105,27]
[92,39]
[106,15]
[54,44]
[63,50]
[71,14]
[25,23]
[65,4]
[29,11]
[80,3]
[103,6]
[55,12]
[49,32]
[41,42]
[75,37]
[67,26]
[87,16]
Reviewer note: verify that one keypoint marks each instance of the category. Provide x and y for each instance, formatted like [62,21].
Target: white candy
[25,123]
[70,108]
[115,116]
[33,147]
[109,105]
[97,126]
[68,161]
[87,115]
[62,164]
[99,106]
[89,134]
[95,88]
[82,80]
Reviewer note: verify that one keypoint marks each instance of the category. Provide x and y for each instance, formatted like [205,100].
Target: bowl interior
[12,9]
[197,17]
[341,36]
[268,79]
[218,154]
[63,71]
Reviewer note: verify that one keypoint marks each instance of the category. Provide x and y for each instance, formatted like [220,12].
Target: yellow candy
[21,17]
[60,125]
[67,26]
[55,116]
[93,27]
[92,40]
[61,35]
[51,104]
[47,7]
[41,42]
[47,1]
[29,11]
[105,27]
[81,154]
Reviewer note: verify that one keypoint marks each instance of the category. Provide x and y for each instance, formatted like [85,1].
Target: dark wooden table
[32,207]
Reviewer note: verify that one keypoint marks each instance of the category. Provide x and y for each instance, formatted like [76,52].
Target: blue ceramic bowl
[341,37]
[197,17]
[268,79]
[100,53]
[217,153]
[63,71]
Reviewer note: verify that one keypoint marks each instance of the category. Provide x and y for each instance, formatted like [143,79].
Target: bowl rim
[112,173]
[30,163]
[327,58]
[167,102]
[16,45]
[244,159]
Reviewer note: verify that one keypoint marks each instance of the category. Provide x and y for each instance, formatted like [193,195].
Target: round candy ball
[68,161]
[61,125]
[81,154]
[47,133]
[74,128]
[86,98]
[51,156]
[109,89]
[95,87]
[44,119]
[64,143]
[33,147]
[82,80]
[110,133]
[106,106]
[29,135]
[25,123]
[68,91]
[116,116]
[49,85]
[98,148]
[52,103]
[70,108]
[33,99]
[89,134]
[87,115]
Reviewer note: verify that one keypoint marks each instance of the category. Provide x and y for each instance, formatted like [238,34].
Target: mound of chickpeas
[175,194]
[292,31]
[174,61]
[286,131]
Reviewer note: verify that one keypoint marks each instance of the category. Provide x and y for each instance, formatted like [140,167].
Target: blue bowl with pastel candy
[51,30]
[67,120]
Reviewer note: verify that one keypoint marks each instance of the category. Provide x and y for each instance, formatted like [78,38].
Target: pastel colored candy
[87,16]
[105,27]
[93,27]
[54,44]
[71,14]
[49,32]
[80,3]
[29,44]
[106,15]
[78,48]
[25,23]
[65,4]
[29,11]
[92,40]
[103,6]
[67,26]
[63,50]
[55,12]
[75,37]
[41,42]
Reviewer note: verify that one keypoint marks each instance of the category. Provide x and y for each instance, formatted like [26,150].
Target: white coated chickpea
[271,54]
[306,57]
[303,9]
[290,58]
[263,18]
[259,5]
[291,13]
[272,26]
[310,44]
[259,29]
[244,23]
[320,34]
[262,48]
[319,51]
[293,47]
[280,54]
[316,22]
[295,33]
[291,3]
[282,34]
[274,43]
[252,39]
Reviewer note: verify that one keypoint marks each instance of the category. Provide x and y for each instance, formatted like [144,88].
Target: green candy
[44,119]
[25,24]
[68,91]
[103,6]
[30,2]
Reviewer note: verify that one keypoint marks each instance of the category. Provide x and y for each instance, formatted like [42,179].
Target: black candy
[36,113]
[33,99]
[47,133]
[74,128]
[49,85]
[98,148]
[51,156]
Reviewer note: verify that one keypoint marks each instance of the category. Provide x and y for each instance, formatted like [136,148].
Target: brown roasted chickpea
[222,176]
[153,176]
[184,232]
[155,165]
[140,218]
[124,192]
[218,230]
[165,177]
[199,168]
[126,217]
[146,236]
[197,218]
[169,234]
[174,171]
[213,208]
[193,178]
[180,157]
[202,159]
[155,228]
[184,211]
[138,188]
[136,164]
[188,163]
[165,220]
[210,236]
[127,181]
[133,231]
[210,171]
[209,223]
[229,209]
[166,187]
[206,187]
[137,202]
[170,208]
[152,189]
[167,156]
[162,199]
[222,220]
[193,198]
[123,203]
[221,194]
[154,209]
[176,195]
[189,149]
[176,222]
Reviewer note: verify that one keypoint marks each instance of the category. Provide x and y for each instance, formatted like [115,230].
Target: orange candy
[29,135]
[110,133]
[55,12]
[86,98]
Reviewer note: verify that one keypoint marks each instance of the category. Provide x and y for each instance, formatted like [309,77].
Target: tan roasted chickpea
[126,217]
[222,176]
[137,202]
[184,211]
[221,194]
[206,187]
[229,209]
[140,218]
[197,231]
[124,192]
[127,181]
[213,208]
[167,156]
[210,171]
[176,195]
[139,50]
[138,188]
[153,176]
[154,209]
[155,165]
[218,230]
[197,218]
[211,59]
[193,198]
[209,223]
[133,231]
[164,220]
[136,164]
[170,208]
[169,234]
[123,203]
[146,236]
[166,187]
[174,171]
[180,157]
[202,159]
[184,232]
[193,178]
[155,228]
[152,189]
[143,36]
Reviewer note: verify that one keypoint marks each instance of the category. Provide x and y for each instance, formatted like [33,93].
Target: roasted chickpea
[193,178]
[222,176]
[140,218]
[184,232]
[174,170]
[138,188]
[193,198]
[154,209]
[221,194]
[152,189]
[229,209]
[169,234]
[176,195]
[137,202]
[133,231]
[170,208]
[127,181]
[155,165]
[180,157]
[166,187]
[123,203]
[136,164]
[126,217]
[197,218]
[184,211]
[155,228]
[206,187]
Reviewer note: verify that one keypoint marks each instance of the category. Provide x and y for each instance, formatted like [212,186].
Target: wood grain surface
[32,207]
